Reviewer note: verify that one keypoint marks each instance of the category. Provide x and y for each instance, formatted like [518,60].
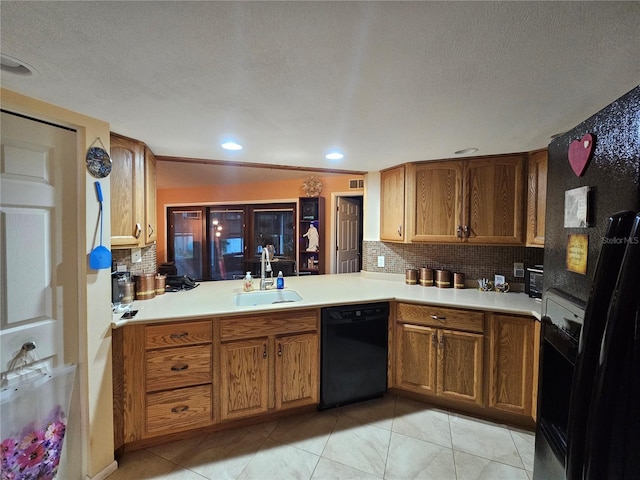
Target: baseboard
[105,472]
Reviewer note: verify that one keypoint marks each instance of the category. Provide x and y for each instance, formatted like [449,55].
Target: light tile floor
[386,438]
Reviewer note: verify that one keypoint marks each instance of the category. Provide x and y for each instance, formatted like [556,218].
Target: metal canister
[458,280]
[426,277]
[128,291]
[145,286]
[443,278]
[161,284]
[411,276]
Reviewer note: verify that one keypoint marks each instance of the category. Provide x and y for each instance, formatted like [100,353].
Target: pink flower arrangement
[35,455]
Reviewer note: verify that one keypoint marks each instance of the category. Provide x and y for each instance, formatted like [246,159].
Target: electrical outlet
[136,255]
[518,269]
[380,261]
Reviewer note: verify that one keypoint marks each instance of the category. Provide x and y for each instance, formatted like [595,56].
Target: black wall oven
[562,318]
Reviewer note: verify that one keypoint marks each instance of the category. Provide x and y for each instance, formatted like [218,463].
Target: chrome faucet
[265,267]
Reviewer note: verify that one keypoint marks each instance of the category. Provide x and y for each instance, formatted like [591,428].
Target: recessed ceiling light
[13,65]
[231,146]
[464,151]
[334,156]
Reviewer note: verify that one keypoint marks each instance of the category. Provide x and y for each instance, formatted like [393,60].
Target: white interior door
[348,235]
[38,241]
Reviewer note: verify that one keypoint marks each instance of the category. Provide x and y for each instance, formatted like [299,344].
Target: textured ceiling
[386,82]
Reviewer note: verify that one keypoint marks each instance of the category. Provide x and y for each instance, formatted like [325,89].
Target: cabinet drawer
[177,334]
[178,409]
[232,328]
[440,317]
[178,367]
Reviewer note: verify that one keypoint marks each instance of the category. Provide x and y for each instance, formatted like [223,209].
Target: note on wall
[576,207]
[577,253]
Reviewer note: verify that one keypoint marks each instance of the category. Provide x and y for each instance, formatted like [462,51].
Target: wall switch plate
[518,269]
[136,255]
[381,261]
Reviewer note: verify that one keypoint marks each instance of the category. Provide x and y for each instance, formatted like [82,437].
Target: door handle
[279,349]
[138,231]
[399,230]
[264,352]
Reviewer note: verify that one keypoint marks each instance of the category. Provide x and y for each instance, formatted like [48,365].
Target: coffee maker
[122,288]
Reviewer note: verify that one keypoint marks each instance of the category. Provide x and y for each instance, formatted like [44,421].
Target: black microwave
[533,281]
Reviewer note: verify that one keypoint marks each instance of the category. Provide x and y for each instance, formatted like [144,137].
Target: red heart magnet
[579,153]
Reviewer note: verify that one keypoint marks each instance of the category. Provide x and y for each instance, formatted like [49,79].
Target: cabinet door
[494,200]
[536,198]
[436,202]
[415,366]
[151,223]
[127,192]
[243,384]
[513,361]
[296,374]
[460,366]
[392,204]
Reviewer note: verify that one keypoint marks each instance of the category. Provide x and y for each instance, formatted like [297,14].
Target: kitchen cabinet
[150,215]
[392,204]
[478,200]
[162,379]
[439,352]
[311,213]
[512,344]
[536,197]
[269,362]
[133,193]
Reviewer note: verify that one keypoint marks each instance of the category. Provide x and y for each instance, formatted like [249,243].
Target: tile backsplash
[147,265]
[475,261]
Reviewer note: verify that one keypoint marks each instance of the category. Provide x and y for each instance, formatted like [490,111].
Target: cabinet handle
[180,409]
[459,231]
[279,349]
[149,230]
[467,230]
[441,342]
[399,230]
[179,368]
[138,231]
[264,352]
[442,318]
[434,341]
[179,335]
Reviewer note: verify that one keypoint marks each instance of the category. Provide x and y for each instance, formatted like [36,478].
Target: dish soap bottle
[280,281]
[247,282]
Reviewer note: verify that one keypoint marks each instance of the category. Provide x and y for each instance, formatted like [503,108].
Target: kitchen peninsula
[194,361]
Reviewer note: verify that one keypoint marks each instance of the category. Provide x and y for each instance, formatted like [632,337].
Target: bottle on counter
[247,282]
[280,280]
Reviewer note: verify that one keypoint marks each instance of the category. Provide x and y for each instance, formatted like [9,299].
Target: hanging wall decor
[98,160]
[312,186]
[580,153]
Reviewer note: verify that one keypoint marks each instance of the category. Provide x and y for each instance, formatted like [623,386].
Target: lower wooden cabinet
[513,358]
[439,361]
[272,372]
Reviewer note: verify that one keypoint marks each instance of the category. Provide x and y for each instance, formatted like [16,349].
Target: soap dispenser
[247,282]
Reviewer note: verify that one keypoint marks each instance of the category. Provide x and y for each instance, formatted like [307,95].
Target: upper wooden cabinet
[151,221]
[479,200]
[536,198]
[133,193]
[392,204]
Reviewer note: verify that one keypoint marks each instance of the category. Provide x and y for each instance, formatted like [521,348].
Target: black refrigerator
[594,408]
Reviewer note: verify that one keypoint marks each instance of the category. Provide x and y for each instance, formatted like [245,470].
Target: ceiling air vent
[356,184]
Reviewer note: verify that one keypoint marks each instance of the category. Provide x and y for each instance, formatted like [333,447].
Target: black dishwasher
[353,353]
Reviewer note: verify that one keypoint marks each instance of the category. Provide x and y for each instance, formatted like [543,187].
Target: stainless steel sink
[265,297]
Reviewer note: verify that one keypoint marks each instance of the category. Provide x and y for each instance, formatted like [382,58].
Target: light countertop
[211,299]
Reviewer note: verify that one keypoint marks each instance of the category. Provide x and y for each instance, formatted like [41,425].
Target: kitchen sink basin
[265,297]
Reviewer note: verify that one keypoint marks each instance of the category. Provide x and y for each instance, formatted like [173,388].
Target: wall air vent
[356,184]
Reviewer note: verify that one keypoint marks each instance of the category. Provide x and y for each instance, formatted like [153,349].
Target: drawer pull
[442,318]
[179,368]
[180,409]
[179,335]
